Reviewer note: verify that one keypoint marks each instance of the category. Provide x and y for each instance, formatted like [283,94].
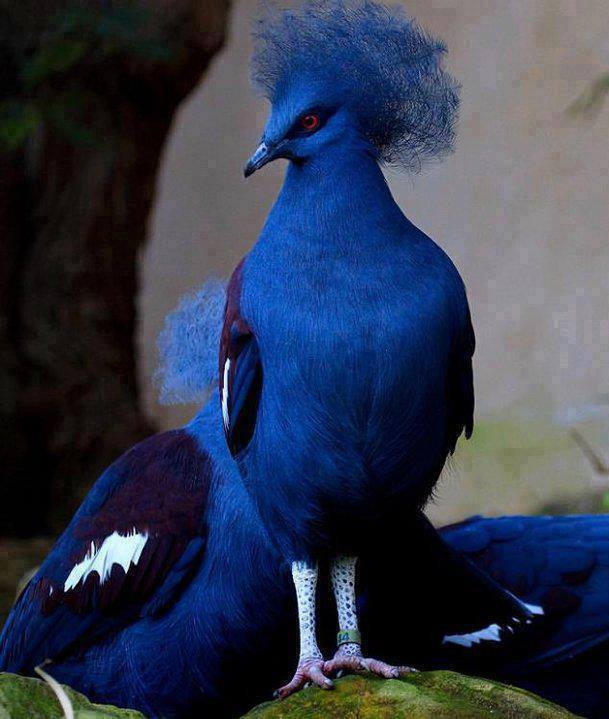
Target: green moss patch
[26,698]
[430,695]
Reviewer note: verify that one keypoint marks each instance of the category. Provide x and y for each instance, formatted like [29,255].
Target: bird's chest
[343,323]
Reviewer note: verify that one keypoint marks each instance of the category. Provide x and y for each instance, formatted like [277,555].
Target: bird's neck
[335,191]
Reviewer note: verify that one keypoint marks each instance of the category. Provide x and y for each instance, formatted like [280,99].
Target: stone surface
[27,698]
[429,695]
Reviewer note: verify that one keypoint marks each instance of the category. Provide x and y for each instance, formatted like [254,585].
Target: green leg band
[348,636]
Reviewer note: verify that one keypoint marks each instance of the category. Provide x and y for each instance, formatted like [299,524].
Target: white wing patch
[492,632]
[225,414]
[534,609]
[123,549]
[488,634]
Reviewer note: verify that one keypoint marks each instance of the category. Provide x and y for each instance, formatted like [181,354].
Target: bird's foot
[308,671]
[352,661]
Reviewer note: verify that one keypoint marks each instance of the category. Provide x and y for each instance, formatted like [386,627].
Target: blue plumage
[345,380]
[346,355]
[206,599]
[373,60]
[562,564]
[188,345]
[360,322]
[217,638]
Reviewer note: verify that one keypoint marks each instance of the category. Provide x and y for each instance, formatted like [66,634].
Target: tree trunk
[73,216]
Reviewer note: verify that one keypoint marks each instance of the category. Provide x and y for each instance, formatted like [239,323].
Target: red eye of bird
[309,122]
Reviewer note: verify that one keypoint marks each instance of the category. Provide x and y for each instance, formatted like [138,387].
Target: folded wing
[240,371]
[128,552]
[558,563]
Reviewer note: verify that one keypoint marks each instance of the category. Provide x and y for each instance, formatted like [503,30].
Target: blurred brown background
[98,247]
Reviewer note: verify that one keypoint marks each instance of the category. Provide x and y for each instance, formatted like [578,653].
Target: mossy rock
[26,698]
[429,695]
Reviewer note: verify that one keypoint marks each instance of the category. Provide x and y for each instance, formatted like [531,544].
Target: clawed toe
[344,665]
[357,664]
[382,669]
[316,671]
[308,672]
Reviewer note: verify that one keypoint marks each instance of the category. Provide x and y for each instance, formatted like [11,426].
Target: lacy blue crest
[380,63]
[188,345]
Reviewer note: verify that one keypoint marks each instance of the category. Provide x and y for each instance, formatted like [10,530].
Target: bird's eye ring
[309,122]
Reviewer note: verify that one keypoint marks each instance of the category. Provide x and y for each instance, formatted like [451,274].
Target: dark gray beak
[262,155]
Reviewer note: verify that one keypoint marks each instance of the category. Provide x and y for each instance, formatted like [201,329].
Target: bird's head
[304,121]
[352,73]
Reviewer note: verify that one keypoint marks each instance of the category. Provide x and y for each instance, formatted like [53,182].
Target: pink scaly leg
[311,661]
[348,656]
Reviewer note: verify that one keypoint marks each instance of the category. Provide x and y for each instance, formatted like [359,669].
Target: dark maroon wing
[240,370]
[128,552]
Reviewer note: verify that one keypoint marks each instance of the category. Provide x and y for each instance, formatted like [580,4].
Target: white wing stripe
[534,609]
[225,414]
[489,634]
[123,549]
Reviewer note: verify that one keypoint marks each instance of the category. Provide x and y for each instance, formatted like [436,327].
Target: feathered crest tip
[188,345]
[376,58]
